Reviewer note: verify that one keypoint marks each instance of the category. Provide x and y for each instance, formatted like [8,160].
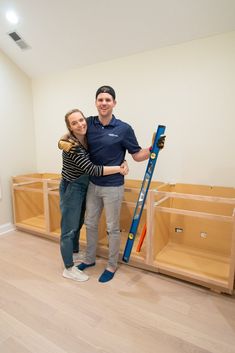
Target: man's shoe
[82,266]
[106,276]
[75,274]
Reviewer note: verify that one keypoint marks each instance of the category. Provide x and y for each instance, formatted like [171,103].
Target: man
[108,140]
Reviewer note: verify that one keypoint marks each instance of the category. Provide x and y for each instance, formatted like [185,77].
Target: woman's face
[77,124]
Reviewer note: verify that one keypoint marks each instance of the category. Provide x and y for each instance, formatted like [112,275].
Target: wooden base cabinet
[192,234]
[190,228]
[36,204]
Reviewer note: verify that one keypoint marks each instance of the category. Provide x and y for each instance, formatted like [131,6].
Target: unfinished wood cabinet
[190,228]
[191,234]
[36,204]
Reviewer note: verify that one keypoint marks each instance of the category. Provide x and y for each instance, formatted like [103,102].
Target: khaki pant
[109,198]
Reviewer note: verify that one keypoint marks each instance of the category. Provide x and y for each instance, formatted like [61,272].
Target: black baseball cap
[106,89]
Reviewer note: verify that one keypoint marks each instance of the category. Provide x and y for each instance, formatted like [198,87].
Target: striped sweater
[78,163]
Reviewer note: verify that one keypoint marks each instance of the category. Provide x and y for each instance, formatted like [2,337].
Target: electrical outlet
[203,235]
[179,230]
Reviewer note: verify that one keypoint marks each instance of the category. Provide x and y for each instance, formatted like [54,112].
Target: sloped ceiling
[67,34]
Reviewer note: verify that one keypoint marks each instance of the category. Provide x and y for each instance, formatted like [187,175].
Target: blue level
[143,194]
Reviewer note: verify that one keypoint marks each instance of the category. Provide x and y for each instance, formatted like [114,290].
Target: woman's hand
[124,168]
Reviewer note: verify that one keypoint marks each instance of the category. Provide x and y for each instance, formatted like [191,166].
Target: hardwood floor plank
[27,337]
[138,311]
[13,346]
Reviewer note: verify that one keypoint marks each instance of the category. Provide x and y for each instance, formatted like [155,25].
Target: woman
[73,187]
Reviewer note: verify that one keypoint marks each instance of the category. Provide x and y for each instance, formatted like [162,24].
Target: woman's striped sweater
[78,163]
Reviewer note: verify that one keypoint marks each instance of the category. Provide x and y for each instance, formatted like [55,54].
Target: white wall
[189,87]
[17,145]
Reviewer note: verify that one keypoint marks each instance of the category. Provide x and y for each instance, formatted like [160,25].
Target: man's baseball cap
[106,89]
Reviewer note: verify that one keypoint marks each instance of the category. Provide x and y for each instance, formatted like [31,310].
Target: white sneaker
[75,274]
[78,256]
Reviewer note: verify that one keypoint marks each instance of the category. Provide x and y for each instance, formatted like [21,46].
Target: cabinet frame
[36,210]
[211,258]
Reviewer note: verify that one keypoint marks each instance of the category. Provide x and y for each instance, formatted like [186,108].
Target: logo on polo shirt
[112,135]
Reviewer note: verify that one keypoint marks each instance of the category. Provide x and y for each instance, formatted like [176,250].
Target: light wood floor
[137,312]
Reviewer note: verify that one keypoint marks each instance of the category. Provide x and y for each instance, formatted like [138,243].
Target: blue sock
[106,276]
[82,266]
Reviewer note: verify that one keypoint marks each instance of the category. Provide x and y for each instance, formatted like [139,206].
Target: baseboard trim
[6,228]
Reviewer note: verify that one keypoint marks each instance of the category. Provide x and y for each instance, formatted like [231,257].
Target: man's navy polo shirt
[107,146]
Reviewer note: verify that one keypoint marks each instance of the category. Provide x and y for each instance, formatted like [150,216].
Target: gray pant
[109,198]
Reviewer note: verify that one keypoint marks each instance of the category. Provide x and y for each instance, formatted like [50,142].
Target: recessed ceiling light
[12,17]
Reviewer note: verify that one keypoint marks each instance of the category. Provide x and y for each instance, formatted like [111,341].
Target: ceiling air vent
[18,40]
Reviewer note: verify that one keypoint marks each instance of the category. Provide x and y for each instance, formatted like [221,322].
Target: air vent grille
[19,41]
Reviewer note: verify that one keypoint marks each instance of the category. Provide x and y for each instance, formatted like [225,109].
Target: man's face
[105,104]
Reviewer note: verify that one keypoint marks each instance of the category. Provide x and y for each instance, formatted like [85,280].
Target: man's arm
[141,155]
